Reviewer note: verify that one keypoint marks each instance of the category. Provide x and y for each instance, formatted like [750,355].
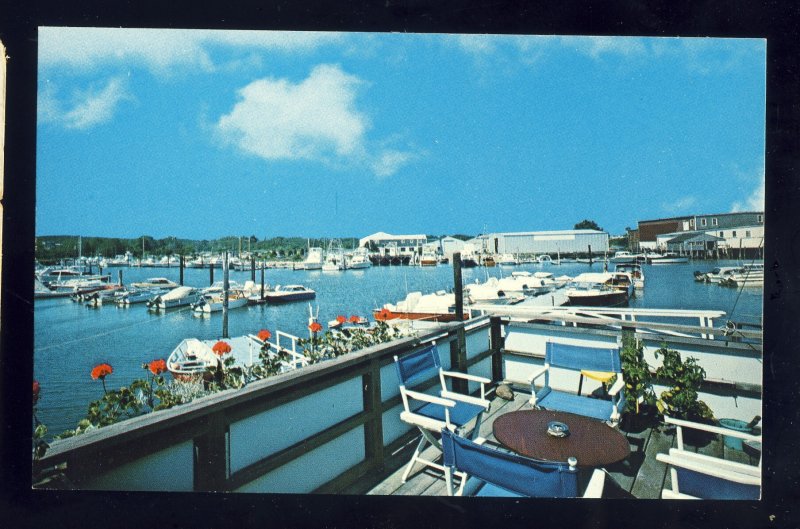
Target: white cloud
[390,161]
[314,119]
[680,204]
[597,46]
[89,108]
[755,202]
[161,49]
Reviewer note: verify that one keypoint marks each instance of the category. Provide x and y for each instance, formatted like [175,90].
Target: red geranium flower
[101,371]
[157,366]
[354,319]
[383,315]
[315,327]
[264,335]
[36,389]
[221,348]
[341,319]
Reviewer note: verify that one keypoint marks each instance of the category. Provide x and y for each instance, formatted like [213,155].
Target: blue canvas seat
[452,411]
[700,476]
[580,358]
[492,472]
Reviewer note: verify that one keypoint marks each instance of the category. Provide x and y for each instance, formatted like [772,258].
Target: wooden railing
[324,427]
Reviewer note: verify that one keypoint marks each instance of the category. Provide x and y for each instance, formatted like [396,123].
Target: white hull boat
[209,303]
[314,259]
[282,294]
[177,297]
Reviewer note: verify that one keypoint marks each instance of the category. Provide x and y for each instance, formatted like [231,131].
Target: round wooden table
[592,442]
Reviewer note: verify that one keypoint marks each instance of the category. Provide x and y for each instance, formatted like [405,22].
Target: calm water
[70,338]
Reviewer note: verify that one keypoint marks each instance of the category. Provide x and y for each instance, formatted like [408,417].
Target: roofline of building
[689,217]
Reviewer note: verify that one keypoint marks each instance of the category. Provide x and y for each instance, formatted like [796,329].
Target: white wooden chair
[698,476]
[450,410]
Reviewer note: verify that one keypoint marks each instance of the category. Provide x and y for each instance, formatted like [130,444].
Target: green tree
[587,224]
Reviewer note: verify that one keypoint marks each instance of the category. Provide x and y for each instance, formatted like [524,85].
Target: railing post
[497,343]
[458,347]
[211,456]
[373,428]
[458,360]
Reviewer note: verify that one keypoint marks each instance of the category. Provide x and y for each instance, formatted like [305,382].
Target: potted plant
[639,410]
[681,398]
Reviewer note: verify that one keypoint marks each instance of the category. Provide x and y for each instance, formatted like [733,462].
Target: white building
[388,244]
[544,242]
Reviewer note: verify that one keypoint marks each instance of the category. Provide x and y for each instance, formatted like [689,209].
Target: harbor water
[71,338]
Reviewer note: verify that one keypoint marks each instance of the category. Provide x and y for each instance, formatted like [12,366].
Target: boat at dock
[155,282]
[436,307]
[134,296]
[214,302]
[428,258]
[667,258]
[507,259]
[286,293]
[177,297]
[625,257]
[634,270]
[751,275]
[192,357]
[334,258]
[600,289]
[492,292]
[359,260]
[314,259]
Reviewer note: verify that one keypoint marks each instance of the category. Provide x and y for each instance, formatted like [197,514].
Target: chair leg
[414,458]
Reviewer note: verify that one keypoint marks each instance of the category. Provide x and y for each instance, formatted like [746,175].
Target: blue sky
[203,134]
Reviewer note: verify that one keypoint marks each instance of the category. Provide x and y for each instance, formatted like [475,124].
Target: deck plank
[652,473]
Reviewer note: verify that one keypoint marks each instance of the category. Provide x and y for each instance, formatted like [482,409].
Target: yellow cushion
[600,376]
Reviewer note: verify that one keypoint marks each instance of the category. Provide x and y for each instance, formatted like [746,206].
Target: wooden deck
[640,476]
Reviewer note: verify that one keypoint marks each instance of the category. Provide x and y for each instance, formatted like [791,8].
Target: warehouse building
[564,242]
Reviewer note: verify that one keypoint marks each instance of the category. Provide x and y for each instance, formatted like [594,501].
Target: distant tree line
[52,248]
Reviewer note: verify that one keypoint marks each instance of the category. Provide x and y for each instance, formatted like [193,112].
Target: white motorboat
[334,258]
[606,289]
[141,295]
[192,358]
[719,273]
[747,275]
[314,259]
[428,258]
[177,297]
[667,258]
[491,291]
[436,307]
[285,293]
[635,271]
[623,257]
[507,259]
[155,282]
[359,260]
[214,302]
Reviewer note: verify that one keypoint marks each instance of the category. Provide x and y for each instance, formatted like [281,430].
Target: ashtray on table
[557,429]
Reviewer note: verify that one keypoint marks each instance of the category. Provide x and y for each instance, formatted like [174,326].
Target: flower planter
[739,426]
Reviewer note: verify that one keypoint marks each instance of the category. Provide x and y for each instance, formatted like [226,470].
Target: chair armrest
[430,398]
[677,460]
[536,374]
[618,385]
[465,398]
[466,376]
[595,487]
[716,463]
